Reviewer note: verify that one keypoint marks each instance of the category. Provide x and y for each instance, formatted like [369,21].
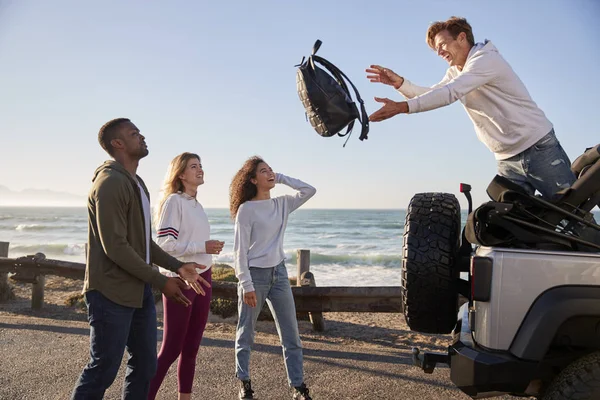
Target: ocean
[347,247]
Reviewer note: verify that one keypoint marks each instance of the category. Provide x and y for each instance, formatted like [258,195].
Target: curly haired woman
[260,223]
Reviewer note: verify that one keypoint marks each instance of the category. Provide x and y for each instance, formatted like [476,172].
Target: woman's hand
[214,246]
[250,299]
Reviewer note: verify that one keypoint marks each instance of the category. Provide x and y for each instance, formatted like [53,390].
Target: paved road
[40,358]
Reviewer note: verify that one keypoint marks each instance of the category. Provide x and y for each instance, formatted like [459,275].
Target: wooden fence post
[37,287]
[306,278]
[5,288]
[316,318]
[303,262]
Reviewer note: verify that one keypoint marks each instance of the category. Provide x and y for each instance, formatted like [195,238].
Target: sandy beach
[359,356]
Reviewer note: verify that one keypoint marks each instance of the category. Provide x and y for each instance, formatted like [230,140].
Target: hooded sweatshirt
[506,118]
[117,252]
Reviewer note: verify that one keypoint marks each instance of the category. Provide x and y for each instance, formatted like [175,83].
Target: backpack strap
[338,75]
[340,80]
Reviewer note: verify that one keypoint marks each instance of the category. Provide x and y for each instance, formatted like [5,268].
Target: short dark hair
[108,132]
[454,25]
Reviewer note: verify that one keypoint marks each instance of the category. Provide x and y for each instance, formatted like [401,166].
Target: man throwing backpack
[506,118]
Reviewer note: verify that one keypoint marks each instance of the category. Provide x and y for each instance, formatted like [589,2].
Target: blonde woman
[183,231]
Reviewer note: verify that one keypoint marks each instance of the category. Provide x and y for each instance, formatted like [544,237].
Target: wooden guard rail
[307,296]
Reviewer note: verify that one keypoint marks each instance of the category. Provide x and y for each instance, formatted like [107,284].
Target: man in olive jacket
[119,272]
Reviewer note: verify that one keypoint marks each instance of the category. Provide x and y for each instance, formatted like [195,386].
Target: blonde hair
[172,183]
[454,26]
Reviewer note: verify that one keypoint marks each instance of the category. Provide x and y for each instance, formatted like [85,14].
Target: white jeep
[530,322]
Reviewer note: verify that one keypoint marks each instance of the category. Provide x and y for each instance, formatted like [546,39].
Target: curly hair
[241,189]
[172,183]
[454,25]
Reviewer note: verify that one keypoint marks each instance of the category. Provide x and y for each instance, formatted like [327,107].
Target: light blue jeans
[273,286]
[544,167]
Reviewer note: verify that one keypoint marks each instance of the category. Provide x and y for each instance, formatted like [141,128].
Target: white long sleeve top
[506,118]
[260,227]
[183,230]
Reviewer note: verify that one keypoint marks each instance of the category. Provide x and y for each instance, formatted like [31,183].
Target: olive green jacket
[116,252]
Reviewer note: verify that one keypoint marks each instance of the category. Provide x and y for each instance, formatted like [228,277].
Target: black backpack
[326,98]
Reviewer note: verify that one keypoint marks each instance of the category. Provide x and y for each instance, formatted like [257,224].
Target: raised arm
[404,86]
[478,71]
[305,191]
[410,90]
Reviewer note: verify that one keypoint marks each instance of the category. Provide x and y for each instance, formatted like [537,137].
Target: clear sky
[218,78]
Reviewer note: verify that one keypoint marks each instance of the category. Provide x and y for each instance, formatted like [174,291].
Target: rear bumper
[476,371]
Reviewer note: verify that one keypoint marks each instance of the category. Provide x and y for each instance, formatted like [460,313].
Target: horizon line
[207,208]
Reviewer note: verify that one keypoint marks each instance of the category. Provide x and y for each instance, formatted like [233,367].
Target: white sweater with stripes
[183,230]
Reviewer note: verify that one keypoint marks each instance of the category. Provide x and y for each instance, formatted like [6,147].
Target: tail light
[481,278]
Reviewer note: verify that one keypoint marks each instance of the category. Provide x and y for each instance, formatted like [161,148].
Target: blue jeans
[273,286]
[544,167]
[112,329]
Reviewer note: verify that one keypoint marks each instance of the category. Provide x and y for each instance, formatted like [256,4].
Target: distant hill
[39,197]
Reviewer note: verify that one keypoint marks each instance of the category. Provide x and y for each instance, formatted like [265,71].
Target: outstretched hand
[188,272]
[385,76]
[389,109]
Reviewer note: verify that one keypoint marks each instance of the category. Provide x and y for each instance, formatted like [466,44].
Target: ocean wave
[389,226]
[385,260]
[349,246]
[333,233]
[328,236]
[335,275]
[51,250]
[342,260]
[42,227]
[41,218]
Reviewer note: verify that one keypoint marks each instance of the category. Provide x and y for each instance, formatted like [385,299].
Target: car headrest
[500,185]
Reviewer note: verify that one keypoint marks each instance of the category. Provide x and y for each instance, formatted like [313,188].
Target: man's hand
[250,299]
[188,272]
[214,246]
[385,76]
[173,290]
[389,109]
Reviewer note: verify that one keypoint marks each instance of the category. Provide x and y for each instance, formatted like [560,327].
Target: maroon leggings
[183,329]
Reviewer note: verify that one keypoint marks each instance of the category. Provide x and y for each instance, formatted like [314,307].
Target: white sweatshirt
[259,229]
[506,118]
[183,230]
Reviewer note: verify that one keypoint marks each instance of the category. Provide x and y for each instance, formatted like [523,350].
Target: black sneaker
[301,393]
[246,392]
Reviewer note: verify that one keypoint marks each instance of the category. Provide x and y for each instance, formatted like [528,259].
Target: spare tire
[429,252]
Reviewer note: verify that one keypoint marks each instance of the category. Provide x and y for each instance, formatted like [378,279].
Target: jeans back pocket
[546,142]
